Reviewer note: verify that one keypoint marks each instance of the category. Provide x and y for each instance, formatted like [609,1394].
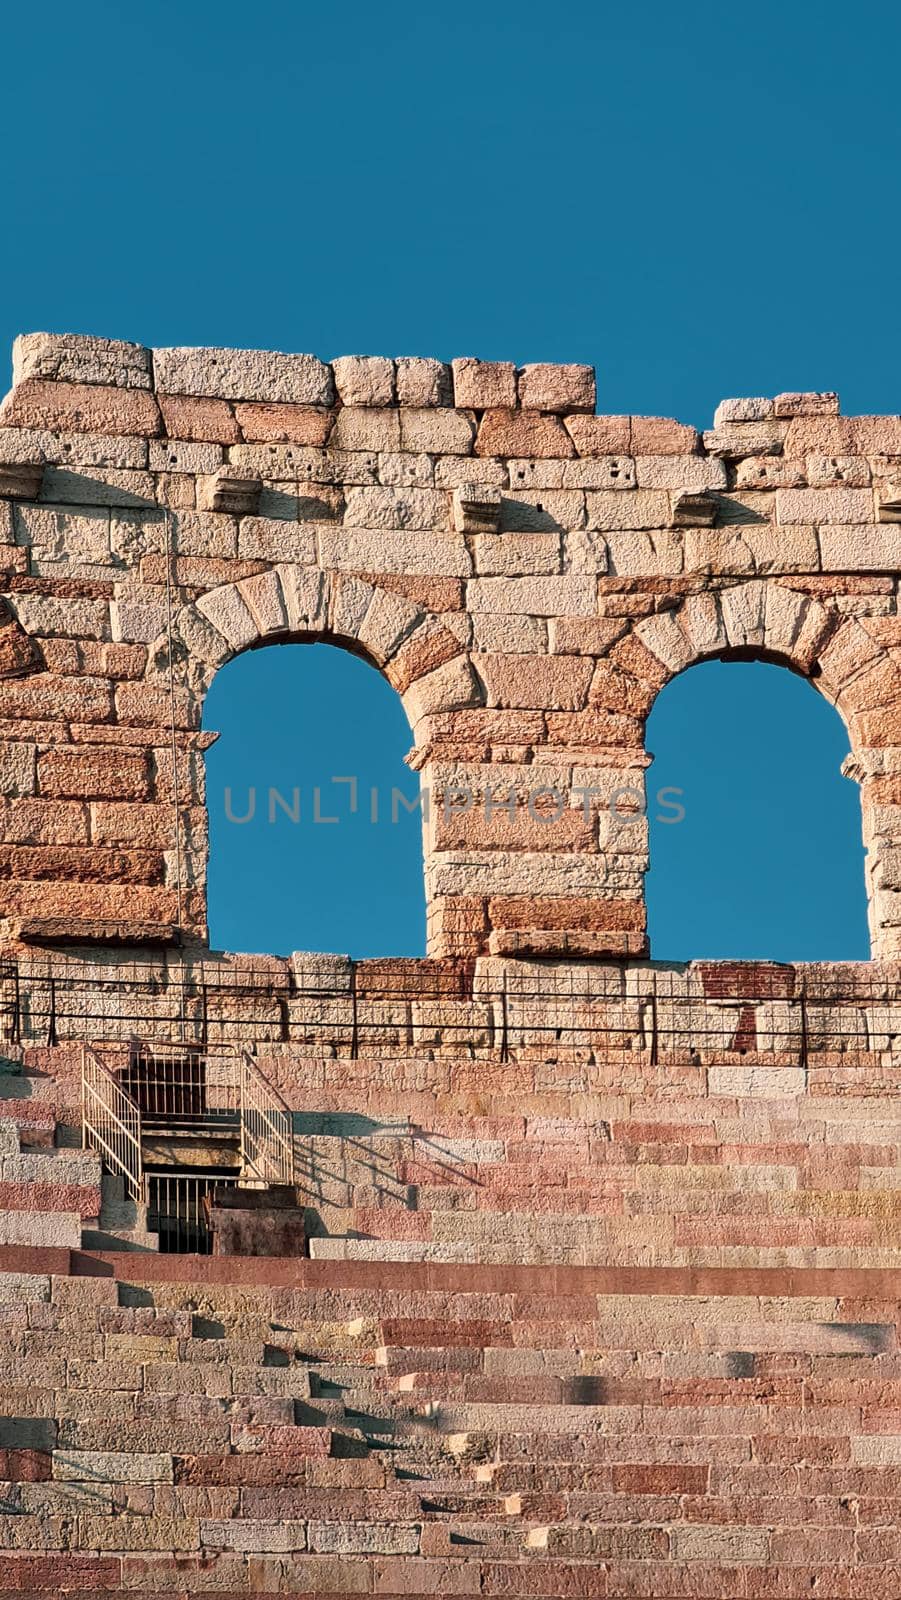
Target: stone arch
[421,657]
[758,619]
[766,620]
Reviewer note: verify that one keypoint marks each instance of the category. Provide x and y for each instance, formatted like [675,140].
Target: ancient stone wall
[602,1288]
[526,573]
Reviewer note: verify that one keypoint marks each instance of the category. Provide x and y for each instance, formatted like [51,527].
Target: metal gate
[176,1209]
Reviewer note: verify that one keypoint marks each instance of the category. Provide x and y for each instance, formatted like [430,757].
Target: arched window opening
[315,833]
[759,854]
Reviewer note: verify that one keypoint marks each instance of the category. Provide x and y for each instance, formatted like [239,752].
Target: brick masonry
[603,1284]
[526,573]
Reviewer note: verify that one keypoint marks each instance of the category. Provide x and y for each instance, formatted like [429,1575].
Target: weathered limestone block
[264,600]
[397,508]
[661,436]
[851,472]
[72,449]
[18,769]
[102,773]
[806,405]
[824,505]
[103,486]
[549,682]
[518,872]
[600,436]
[281,422]
[109,1466]
[306,598]
[184,456]
[546,387]
[679,472]
[404,468]
[366,428]
[642,509]
[537,510]
[364,380]
[233,489]
[539,597]
[694,509]
[515,635]
[271,539]
[537,474]
[600,472]
[859,549]
[389,619]
[476,509]
[888,502]
[452,471]
[732,441]
[752,548]
[770,472]
[81,358]
[410,550]
[230,615]
[429,646]
[666,640]
[80,408]
[20,480]
[754,409]
[440,430]
[192,418]
[75,619]
[517,554]
[422,381]
[244,375]
[482,385]
[520,433]
[445,689]
[212,535]
[634,552]
[743,611]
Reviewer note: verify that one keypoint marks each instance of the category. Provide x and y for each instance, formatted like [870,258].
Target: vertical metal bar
[51,1019]
[354,1033]
[505,1040]
[17,1006]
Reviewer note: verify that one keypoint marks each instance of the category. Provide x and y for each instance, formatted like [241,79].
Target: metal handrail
[267,1127]
[111,1122]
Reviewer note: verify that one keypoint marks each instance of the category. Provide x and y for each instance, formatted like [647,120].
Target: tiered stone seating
[419,1431]
[46,1195]
[732,1164]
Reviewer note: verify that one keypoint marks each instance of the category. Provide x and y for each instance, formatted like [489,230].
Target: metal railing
[111,1122]
[147,1090]
[267,1127]
[353,1009]
[180,1087]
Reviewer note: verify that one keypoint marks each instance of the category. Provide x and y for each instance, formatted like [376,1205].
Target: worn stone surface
[526,573]
[601,1287]
[244,375]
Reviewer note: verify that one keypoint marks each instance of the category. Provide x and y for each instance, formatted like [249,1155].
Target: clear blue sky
[700,202]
